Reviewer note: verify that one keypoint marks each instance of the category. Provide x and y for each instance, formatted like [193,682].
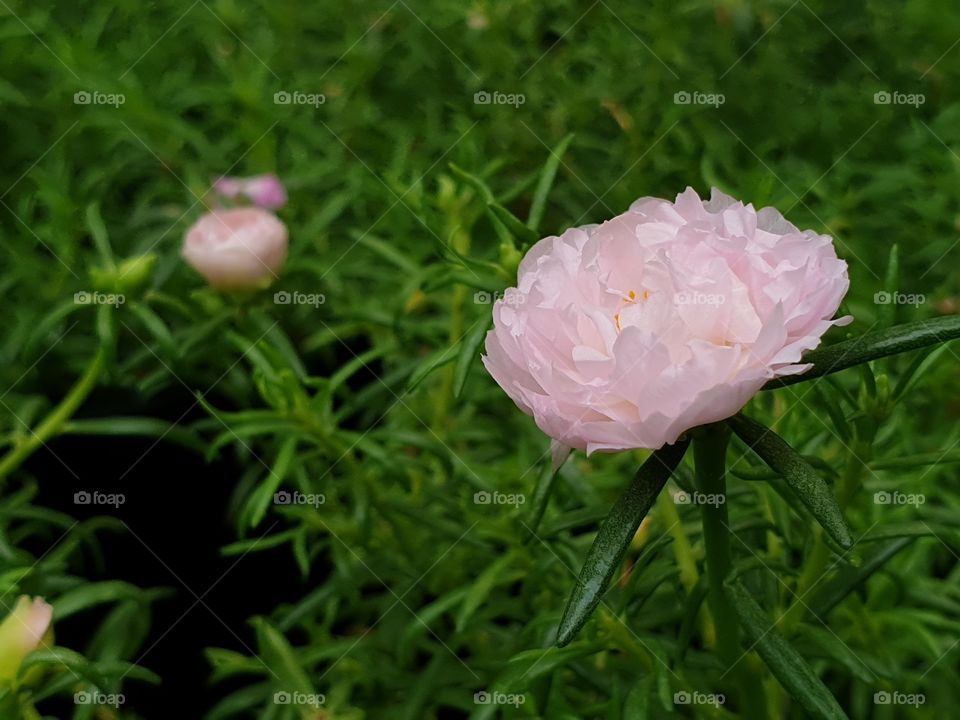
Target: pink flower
[242,248]
[21,632]
[265,191]
[671,315]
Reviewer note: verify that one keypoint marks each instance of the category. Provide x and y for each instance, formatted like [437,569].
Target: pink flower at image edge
[21,632]
[671,315]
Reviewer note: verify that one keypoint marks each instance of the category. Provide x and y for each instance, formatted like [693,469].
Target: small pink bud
[242,248]
[21,632]
[265,191]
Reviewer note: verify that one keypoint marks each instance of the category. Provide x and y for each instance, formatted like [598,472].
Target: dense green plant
[806,595]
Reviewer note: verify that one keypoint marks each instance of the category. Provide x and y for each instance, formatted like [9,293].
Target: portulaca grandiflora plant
[653,330]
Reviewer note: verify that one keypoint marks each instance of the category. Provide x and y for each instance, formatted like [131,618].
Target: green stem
[710,463]
[57,417]
[709,454]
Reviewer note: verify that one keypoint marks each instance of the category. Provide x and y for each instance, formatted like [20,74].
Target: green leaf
[541,495]
[871,346]
[98,231]
[851,578]
[263,496]
[482,587]
[512,223]
[891,284]
[436,360]
[92,594]
[468,351]
[615,535]
[283,666]
[134,427]
[539,203]
[786,664]
[156,327]
[917,369]
[809,487]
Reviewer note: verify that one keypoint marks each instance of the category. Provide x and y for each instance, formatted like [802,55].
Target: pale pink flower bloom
[669,316]
[265,191]
[242,248]
[21,632]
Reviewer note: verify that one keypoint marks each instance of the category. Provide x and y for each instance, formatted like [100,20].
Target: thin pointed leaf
[281,659]
[541,495]
[98,231]
[468,352]
[891,285]
[859,350]
[852,578]
[798,474]
[539,204]
[510,221]
[615,534]
[436,360]
[786,664]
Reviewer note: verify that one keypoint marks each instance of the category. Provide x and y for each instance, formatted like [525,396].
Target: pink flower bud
[265,191]
[669,316]
[242,248]
[21,632]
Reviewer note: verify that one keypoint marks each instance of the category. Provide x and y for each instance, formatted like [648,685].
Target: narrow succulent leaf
[468,351]
[510,221]
[846,582]
[872,346]
[917,369]
[614,536]
[891,285]
[545,484]
[436,360]
[539,204]
[98,231]
[808,486]
[786,664]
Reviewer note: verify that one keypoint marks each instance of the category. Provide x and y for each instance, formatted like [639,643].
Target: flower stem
[709,453]
[710,464]
[58,416]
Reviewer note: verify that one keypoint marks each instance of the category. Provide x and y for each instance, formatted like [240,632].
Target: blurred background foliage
[401,596]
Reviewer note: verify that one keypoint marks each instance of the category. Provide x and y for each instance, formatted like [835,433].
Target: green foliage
[434,571]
